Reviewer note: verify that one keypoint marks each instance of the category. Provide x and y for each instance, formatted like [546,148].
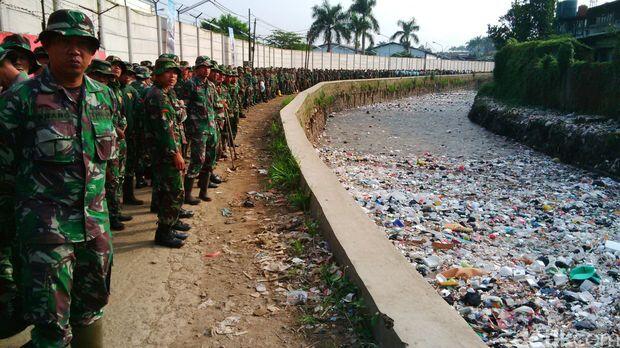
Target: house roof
[403,47]
[334,44]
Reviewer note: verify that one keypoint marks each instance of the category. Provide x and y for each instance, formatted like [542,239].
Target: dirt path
[163,297]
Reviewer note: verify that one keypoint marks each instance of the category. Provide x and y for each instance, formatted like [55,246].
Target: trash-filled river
[525,248]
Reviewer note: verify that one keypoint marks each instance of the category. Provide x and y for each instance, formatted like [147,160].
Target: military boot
[185,214]
[116,224]
[203,183]
[165,236]
[189,185]
[141,182]
[90,336]
[181,226]
[129,197]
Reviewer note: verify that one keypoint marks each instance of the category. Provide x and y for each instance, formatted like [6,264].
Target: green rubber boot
[90,336]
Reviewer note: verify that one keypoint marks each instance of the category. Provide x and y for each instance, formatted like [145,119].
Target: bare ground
[164,297]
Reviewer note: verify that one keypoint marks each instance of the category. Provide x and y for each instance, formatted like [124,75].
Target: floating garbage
[526,249]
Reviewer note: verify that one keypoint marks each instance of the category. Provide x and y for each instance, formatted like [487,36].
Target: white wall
[24,16]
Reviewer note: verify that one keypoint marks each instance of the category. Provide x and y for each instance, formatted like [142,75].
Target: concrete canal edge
[411,313]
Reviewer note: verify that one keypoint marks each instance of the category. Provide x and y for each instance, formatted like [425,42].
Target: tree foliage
[407,33]
[480,46]
[287,40]
[358,26]
[525,20]
[363,9]
[221,25]
[331,22]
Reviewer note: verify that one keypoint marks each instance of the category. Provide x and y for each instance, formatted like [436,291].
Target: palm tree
[364,9]
[407,33]
[359,27]
[329,21]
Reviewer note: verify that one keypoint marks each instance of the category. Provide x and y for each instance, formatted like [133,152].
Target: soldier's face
[21,61]
[167,79]
[69,55]
[117,70]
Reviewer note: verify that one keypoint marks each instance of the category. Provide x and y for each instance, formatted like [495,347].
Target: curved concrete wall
[411,312]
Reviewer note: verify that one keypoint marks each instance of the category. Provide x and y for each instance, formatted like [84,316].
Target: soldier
[200,124]
[141,85]
[57,135]
[11,321]
[168,159]
[116,167]
[130,107]
[21,55]
[42,58]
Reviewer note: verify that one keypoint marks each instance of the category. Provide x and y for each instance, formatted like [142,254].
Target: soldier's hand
[179,162]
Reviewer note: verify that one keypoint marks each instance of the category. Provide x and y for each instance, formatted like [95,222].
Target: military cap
[114,60]
[203,61]
[70,23]
[184,64]
[128,68]
[143,72]
[19,43]
[147,63]
[99,66]
[215,67]
[172,56]
[164,64]
[40,52]
[3,53]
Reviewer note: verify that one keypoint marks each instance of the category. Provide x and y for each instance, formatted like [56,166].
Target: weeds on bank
[343,301]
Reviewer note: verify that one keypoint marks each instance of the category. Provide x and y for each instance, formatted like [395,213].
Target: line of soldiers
[78,135]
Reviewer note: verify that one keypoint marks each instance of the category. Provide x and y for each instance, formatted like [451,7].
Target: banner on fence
[231,45]
[170,10]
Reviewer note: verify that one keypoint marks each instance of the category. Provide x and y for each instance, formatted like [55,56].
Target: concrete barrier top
[412,311]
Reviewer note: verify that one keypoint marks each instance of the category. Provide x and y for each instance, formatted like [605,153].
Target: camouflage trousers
[114,180]
[133,155]
[168,193]
[10,299]
[64,285]
[203,152]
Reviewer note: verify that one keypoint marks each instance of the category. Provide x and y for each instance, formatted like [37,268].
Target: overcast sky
[446,22]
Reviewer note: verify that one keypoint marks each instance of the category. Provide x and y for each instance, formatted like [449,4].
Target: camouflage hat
[99,66]
[142,72]
[70,23]
[114,60]
[3,53]
[20,44]
[184,64]
[147,63]
[203,61]
[215,67]
[172,56]
[164,64]
[127,68]
[40,52]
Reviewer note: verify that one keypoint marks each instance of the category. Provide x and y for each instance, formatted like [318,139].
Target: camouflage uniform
[143,156]
[60,148]
[10,301]
[164,126]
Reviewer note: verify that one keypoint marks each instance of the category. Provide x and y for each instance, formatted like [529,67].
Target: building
[390,48]
[596,27]
[336,48]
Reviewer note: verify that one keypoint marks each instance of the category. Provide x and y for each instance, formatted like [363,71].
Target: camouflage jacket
[163,120]
[199,95]
[56,149]
[130,106]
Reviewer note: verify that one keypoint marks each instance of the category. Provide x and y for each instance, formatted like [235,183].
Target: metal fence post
[129,32]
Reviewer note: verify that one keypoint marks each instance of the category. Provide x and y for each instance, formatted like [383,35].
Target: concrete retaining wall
[411,312]
[592,142]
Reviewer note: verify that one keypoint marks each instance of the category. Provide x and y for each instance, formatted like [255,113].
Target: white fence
[24,16]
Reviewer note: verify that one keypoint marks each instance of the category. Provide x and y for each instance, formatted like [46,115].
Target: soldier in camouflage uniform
[143,162]
[131,106]
[200,123]
[116,167]
[168,162]
[56,136]
[11,321]
[21,55]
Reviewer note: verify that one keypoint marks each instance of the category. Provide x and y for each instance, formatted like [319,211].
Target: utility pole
[197,33]
[43,14]
[158,25]
[254,44]
[129,32]
[99,12]
[180,32]
[250,59]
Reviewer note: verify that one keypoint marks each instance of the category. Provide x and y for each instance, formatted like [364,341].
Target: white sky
[447,22]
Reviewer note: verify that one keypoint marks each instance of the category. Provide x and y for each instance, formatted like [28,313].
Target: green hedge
[556,73]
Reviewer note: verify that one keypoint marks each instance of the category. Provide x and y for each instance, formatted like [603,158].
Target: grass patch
[287,100]
[300,200]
